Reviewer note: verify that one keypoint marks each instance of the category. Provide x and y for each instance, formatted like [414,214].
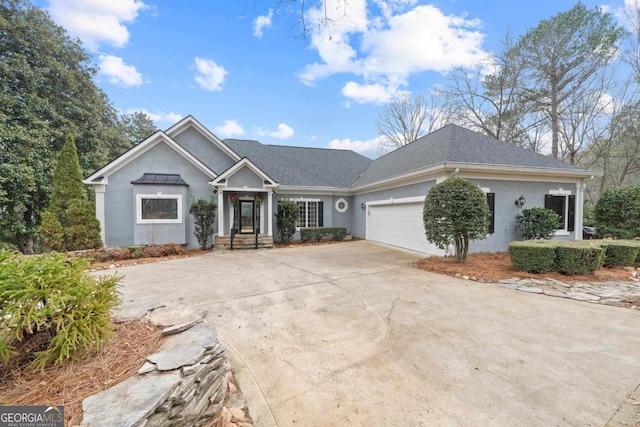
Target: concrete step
[243,241]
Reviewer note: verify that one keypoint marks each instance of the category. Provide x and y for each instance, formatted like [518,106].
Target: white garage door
[399,225]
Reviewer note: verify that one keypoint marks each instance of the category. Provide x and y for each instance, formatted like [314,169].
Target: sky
[250,70]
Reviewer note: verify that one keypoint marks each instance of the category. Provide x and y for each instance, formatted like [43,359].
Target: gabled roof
[303,167]
[191,122]
[102,174]
[453,144]
[244,162]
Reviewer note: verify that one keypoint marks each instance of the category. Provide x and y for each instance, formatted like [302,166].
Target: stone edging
[187,382]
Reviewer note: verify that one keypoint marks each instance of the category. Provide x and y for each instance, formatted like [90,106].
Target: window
[311,214]
[564,204]
[158,209]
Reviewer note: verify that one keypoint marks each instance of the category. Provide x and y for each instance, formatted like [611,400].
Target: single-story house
[143,196]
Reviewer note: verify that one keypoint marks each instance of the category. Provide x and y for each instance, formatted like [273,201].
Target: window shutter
[491,201]
[571,225]
[320,214]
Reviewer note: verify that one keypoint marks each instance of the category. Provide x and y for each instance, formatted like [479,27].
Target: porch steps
[243,241]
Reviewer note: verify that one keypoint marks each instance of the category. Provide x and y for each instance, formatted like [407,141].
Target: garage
[399,223]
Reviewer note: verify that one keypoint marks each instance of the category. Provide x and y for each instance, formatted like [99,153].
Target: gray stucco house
[143,196]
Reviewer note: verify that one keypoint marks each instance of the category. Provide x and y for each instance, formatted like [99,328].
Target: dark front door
[247,216]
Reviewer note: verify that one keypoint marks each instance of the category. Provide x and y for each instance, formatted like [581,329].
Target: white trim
[345,205]
[270,213]
[566,193]
[140,149]
[307,201]
[101,211]
[220,213]
[140,220]
[244,162]
[393,201]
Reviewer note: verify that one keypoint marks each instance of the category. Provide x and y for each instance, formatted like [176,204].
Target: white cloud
[96,22]
[262,22]
[386,50]
[229,128]
[370,146]
[283,132]
[377,93]
[119,73]
[209,75]
[158,116]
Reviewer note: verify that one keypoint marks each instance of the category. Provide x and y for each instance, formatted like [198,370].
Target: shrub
[618,212]
[52,309]
[537,223]
[621,254]
[286,219]
[578,259]
[532,258]
[204,217]
[320,233]
[455,211]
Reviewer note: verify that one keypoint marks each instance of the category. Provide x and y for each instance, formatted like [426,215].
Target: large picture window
[564,204]
[158,209]
[311,213]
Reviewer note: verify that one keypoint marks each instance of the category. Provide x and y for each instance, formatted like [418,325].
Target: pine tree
[69,222]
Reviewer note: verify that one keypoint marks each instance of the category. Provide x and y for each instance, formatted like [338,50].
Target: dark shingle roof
[454,144]
[160,178]
[300,166]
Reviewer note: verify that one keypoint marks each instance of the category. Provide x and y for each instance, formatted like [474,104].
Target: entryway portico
[245,200]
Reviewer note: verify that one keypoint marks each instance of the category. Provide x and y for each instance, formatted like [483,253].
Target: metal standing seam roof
[454,144]
[160,179]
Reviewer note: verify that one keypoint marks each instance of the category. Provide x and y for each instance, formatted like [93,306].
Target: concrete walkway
[352,334]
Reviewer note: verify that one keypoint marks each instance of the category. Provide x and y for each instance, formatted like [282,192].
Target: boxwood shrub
[533,257]
[322,233]
[621,254]
[578,259]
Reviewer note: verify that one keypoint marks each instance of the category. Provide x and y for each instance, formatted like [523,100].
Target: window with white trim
[311,213]
[563,203]
[158,208]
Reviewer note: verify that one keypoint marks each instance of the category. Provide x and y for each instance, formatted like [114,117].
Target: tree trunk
[27,248]
[554,118]
[459,248]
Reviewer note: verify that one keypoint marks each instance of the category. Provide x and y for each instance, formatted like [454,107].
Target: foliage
[533,258]
[204,217]
[320,233]
[618,212]
[537,223]
[130,252]
[621,254]
[52,309]
[47,93]
[69,222]
[136,127]
[455,211]
[572,260]
[286,219]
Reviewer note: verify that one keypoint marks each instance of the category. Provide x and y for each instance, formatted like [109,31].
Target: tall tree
[562,55]
[69,222]
[47,92]
[136,127]
[406,119]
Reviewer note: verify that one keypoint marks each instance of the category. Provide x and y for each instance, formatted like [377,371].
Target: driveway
[352,334]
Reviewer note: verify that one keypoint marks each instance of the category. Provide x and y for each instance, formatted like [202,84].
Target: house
[143,196]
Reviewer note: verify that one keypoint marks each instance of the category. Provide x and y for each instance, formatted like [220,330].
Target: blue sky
[242,69]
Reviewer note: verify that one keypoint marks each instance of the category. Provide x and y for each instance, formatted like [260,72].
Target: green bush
[204,217]
[618,212]
[286,219]
[322,233]
[578,259]
[532,257]
[620,254]
[537,223]
[52,309]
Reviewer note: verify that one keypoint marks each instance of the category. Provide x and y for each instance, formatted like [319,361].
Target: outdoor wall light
[520,201]
[362,206]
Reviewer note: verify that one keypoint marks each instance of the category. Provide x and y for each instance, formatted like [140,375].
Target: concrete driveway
[352,334]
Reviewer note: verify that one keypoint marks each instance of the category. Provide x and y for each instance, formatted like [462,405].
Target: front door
[247,216]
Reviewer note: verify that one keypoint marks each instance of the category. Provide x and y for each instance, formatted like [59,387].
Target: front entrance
[247,216]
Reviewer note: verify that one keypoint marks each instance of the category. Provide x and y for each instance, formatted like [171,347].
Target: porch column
[220,213]
[270,213]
